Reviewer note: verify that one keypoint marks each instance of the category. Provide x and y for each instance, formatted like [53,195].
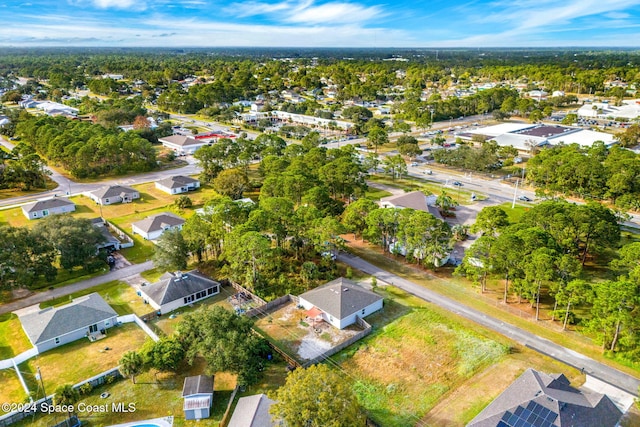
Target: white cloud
[120,4]
[307,12]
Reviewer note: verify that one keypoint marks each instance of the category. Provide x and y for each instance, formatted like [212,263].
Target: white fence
[128,318]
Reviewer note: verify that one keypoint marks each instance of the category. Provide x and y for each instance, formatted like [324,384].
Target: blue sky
[322,23]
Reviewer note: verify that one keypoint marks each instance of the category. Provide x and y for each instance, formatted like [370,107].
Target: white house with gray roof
[341,301]
[175,290]
[87,316]
[178,184]
[152,227]
[114,194]
[182,144]
[43,208]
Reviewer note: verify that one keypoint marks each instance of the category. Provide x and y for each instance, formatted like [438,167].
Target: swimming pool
[156,422]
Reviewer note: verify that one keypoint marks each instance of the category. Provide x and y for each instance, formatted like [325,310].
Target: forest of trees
[85,149]
[546,252]
[32,256]
[591,173]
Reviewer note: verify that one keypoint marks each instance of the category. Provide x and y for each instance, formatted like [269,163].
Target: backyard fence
[128,318]
[263,309]
[227,412]
[125,240]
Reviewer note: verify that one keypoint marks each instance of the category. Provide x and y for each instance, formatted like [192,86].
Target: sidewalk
[79,286]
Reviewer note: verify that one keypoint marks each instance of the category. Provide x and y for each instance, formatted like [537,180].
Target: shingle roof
[54,322]
[113,191]
[55,202]
[171,287]
[252,411]
[537,399]
[158,222]
[413,200]
[177,181]
[181,140]
[341,298]
[198,384]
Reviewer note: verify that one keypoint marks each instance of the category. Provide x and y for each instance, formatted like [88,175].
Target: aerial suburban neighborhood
[197,235]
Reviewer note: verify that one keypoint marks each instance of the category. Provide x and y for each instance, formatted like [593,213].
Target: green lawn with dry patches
[425,352]
[11,390]
[13,340]
[79,360]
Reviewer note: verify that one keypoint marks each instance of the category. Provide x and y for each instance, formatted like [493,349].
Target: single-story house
[114,194]
[341,301]
[197,393]
[414,200]
[42,208]
[182,144]
[539,399]
[252,411]
[88,316]
[175,290]
[153,226]
[178,184]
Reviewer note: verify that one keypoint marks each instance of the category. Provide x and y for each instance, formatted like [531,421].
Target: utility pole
[515,192]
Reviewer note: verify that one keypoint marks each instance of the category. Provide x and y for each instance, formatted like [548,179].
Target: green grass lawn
[11,390]
[119,295]
[166,324]
[79,360]
[411,183]
[514,214]
[13,340]
[376,194]
[153,396]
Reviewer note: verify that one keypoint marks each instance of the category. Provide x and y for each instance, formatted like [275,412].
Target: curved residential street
[596,369]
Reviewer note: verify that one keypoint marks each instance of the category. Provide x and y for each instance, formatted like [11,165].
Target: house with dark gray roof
[86,317]
[175,290]
[537,399]
[253,411]
[43,208]
[114,194]
[340,301]
[197,393]
[153,226]
[178,184]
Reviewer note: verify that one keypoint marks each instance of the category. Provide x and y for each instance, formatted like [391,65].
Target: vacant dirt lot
[301,336]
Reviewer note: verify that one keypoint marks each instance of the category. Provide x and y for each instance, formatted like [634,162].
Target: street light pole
[515,192]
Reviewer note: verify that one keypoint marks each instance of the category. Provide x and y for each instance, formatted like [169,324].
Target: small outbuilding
[197,393]
[340,302]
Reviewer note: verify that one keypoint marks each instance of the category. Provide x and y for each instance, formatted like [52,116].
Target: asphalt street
[39,297]
[596,369]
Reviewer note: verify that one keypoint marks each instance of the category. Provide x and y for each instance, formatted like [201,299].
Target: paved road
[79,286]
[598,370]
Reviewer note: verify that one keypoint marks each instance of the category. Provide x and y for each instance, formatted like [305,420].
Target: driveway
[79,286]
[591,367]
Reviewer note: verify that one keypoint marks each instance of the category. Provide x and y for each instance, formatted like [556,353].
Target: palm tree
[445,203]
[131,364]
[68,396]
